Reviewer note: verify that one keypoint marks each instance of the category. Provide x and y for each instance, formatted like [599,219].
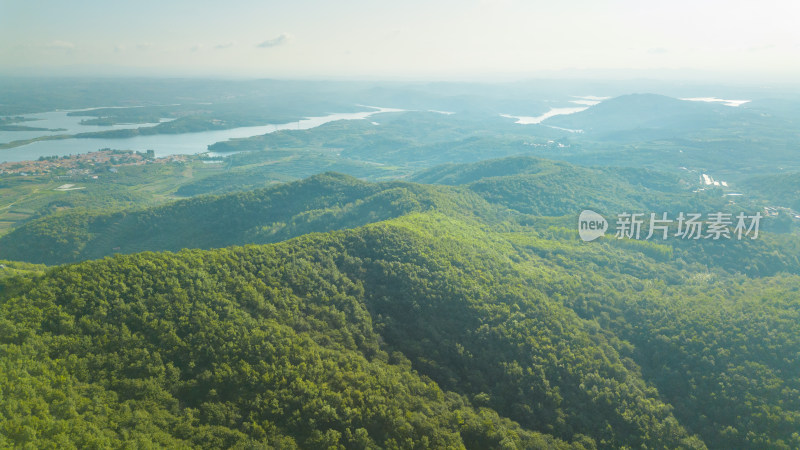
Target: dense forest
[416,281]
[522,192]
[782,189]
[423,331]
[495,190]
[453,314]
[320,203]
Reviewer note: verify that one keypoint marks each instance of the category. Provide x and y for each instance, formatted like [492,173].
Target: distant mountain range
[493,190]
[646,111]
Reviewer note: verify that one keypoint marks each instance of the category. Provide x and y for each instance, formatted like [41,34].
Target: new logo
[591,225]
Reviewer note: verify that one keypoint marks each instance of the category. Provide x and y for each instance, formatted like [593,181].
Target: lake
[584,101]
[161,144]
[60,123]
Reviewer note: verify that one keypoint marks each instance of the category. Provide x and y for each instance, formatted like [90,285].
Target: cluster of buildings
[84,164]
[774,211]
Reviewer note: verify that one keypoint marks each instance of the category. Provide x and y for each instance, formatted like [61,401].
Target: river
[161,144]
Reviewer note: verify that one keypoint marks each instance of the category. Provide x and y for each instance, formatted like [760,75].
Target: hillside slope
[424,329]
[325,331]
[320,203]
[552,188]
[781,189]
[499,193]
[646,111]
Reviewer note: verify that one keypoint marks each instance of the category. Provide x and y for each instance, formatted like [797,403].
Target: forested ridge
[494,191]
[423,331]
[501,193]
[460,314]
[782,189]
[319,203]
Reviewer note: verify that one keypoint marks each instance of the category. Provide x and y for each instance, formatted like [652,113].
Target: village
[104,160]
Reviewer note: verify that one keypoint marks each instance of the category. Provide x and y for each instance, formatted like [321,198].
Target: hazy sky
[401,39]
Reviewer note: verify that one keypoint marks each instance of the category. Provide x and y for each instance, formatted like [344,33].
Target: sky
[409,39]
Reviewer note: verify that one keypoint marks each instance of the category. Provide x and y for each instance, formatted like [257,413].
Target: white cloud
[274,42]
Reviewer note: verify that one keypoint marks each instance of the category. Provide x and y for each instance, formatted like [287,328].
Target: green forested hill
[410,139]
[447,302]
[552,188]
[424,331]
[11,268]
[458,174]
[460,314]
[497,192]
[182,342]
[651,113]
[332,201]
[780,190]
[320,203]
